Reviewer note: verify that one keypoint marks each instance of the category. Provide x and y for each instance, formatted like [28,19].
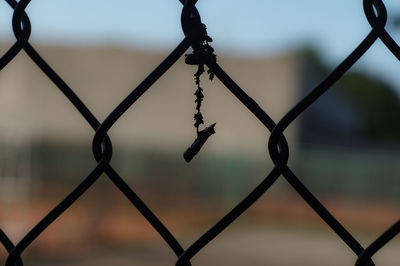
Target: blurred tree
[376,101]
[396,21]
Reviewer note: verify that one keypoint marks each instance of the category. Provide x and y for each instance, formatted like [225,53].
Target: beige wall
[31,107]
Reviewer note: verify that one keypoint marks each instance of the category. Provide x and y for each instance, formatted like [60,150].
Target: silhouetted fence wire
[197,38]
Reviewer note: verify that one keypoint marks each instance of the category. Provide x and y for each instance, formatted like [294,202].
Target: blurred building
[34,113]
[42,134]
[32,109]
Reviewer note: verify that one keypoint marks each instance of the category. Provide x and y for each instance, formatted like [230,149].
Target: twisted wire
[278,147]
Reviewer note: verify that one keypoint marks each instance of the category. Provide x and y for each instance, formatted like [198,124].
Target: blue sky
[256,27]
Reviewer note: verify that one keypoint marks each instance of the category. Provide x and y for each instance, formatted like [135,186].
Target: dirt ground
[255,247]
[276,232]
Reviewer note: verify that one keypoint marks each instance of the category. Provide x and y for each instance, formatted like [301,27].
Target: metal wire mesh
[195,35]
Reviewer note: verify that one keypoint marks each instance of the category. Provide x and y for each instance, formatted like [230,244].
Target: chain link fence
[203,56]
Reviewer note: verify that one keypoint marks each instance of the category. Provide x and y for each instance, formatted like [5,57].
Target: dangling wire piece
[202,54]
[202,137]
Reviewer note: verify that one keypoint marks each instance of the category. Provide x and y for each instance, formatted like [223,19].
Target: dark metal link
[366,255]
[278,146]
[9,246]
[23,37]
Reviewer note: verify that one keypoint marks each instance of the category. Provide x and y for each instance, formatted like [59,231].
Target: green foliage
[396,21]
[377,102]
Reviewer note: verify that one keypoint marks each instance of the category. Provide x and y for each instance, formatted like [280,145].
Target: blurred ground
[252,246]
[103,229]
